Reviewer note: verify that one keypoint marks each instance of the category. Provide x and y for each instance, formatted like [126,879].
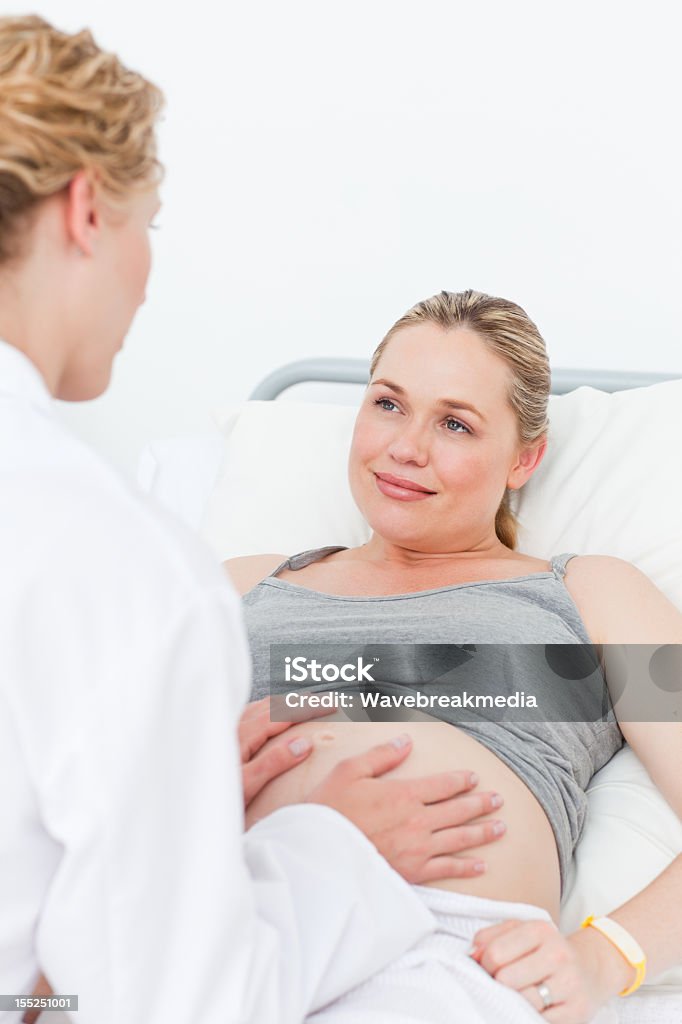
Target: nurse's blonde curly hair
[66,106]
[509,333]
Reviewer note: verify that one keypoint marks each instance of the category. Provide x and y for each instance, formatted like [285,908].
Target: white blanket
[436,982]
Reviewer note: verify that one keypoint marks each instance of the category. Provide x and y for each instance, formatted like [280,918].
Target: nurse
[124,873]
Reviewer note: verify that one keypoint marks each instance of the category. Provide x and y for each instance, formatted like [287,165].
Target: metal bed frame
[356,371]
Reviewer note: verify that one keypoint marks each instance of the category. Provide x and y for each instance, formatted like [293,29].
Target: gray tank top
[555,759]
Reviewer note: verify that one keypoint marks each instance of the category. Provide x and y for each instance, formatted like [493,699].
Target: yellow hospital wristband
[624,943]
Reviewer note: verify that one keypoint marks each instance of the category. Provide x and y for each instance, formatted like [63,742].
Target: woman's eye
[384,402]
[458,424]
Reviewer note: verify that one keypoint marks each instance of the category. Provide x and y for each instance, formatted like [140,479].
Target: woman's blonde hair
[510,334]
[67,106]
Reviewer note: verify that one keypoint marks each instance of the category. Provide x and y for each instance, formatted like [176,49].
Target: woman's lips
[403,490]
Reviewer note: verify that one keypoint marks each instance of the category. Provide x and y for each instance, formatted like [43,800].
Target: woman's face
[111,288]
[436,417]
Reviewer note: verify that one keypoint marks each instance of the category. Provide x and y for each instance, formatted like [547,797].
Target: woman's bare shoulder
[247,571]
[598,571]
[622,602]
[596,567]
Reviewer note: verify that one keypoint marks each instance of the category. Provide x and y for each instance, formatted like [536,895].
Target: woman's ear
[527,462]
[82,213]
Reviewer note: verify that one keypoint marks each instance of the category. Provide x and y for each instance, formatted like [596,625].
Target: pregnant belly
[522,866]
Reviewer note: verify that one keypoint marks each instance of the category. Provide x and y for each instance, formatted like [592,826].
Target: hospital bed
[271,477]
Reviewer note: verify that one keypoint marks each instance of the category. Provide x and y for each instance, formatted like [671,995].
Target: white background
[329,164]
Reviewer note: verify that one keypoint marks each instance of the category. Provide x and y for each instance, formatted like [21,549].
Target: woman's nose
[409,446]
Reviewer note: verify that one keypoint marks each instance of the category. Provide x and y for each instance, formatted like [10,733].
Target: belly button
[325,737]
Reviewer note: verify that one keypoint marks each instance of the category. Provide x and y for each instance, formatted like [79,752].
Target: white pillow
[610,484]
[283,485]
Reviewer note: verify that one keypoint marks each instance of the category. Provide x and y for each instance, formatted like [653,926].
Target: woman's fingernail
[499,827]
[473,779]
[476,952]
[300,746]
[401,741]
[479,866]
[496,800]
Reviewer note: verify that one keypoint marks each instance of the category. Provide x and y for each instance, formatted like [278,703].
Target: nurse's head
[78,194]
[454,419]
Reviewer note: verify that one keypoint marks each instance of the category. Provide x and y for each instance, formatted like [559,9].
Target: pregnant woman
[454,419]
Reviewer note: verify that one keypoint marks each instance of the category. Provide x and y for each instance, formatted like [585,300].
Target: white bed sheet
[651,1007]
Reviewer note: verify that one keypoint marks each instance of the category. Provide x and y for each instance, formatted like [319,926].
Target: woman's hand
[418,825]
[580,973]
[255,729]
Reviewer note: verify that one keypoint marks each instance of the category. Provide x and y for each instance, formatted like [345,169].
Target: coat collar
[20,378]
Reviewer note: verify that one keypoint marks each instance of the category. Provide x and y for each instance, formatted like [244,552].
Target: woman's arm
[653,915]
[637,612]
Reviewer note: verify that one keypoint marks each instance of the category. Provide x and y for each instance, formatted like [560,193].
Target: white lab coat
[124,873]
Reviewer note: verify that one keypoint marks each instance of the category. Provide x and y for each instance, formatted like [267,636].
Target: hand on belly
[521,866]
